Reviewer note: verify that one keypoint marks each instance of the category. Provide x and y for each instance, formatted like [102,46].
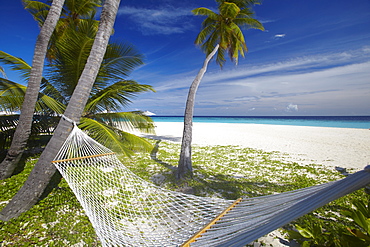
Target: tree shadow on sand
[153,156]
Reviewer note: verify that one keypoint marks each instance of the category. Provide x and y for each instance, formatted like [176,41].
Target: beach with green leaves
[225,171]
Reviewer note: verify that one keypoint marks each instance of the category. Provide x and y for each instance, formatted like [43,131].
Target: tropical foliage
[225,29]
[111,91]
[312,231]
[73,13]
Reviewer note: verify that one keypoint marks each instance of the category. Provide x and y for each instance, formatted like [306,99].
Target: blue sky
[313,59]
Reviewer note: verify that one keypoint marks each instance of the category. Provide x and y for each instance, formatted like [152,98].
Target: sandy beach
[343,147]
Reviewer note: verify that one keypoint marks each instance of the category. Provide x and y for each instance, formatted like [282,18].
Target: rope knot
[69,120]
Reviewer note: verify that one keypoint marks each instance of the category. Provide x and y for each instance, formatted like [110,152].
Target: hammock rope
[126,210]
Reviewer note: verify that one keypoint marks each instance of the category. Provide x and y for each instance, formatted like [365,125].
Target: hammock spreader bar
[210,224]
[81,158]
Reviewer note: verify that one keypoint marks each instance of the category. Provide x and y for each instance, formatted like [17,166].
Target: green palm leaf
[205,12]
[229,10]
[113,138]
[48,89]
[119,61]
[16,64]
[71,55]
[38,10]
[12,96]
[115,96]
[127,121]
[2,72]
[241,3]
[204,33]
[82,8]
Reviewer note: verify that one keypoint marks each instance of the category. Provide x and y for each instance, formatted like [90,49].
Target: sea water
[357,122]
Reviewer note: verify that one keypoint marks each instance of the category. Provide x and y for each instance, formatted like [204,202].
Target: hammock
[126,210]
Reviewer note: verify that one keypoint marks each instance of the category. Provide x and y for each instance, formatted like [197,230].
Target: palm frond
[211,42]
[16,64]
[246,13]
[220,60]
[229,10]
[2,72]
[37,9]
[11,95]
[41,124]
[49,90]
[247,23]
[113,138]
[241,3]
[119,61]
[70,59]
[81,8]
[115,96]
[8,124]
[47,104]
[205,12]
[128,121]
[204,33]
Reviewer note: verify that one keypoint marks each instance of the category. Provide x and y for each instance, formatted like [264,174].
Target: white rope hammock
[126,210]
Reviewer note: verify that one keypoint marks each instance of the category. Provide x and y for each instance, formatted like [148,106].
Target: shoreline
[328,146]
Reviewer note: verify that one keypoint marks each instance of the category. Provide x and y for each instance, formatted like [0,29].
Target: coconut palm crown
[224,29]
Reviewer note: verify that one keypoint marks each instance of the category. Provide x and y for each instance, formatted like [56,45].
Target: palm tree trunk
[185,165]
[23,130]
[40,179]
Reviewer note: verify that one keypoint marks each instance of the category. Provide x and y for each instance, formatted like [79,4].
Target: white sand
[349,148]
[341,147]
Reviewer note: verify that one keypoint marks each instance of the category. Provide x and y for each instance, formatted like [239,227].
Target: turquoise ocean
[356,122]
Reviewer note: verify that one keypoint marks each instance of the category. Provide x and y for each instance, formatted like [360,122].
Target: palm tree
[23,130]
[110,92]
[41,177]
[221,34]
[73,13]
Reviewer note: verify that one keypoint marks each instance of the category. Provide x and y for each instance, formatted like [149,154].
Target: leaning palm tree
[75,32]
[221,34]
[25,121]
[102,117]
[40,177]
[47,17]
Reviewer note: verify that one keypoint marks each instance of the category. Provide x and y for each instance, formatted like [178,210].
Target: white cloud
[291,108]
[279,36]
[337,81]
[167,20]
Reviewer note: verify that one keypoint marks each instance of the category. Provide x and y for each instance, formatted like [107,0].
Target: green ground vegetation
[229,172]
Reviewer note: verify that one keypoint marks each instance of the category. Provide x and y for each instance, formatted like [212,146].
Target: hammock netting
[126,210]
